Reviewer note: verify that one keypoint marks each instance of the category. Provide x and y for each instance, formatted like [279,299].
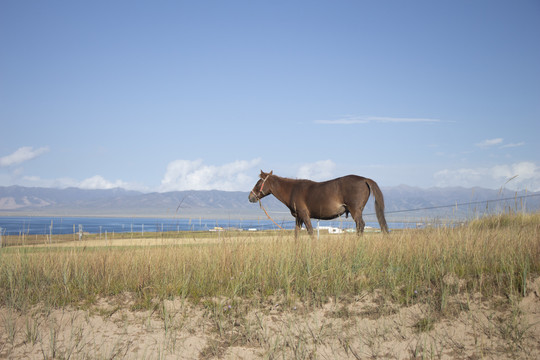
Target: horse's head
[259,190]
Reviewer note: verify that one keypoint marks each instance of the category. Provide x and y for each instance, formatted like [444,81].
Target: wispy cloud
[499,142]
[320,170]
[195,175]
[21,155]
[512,145]
[351,120]
[489,142]
[527,176]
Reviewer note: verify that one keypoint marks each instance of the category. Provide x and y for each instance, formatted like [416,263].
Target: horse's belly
[329,213]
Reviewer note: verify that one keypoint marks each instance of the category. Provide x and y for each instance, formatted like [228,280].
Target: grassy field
[492,258]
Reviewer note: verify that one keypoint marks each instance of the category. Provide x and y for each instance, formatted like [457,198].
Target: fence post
[50,232]
[1,230]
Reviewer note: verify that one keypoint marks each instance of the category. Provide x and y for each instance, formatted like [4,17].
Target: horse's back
[347,179]
[349,183]
[339,189]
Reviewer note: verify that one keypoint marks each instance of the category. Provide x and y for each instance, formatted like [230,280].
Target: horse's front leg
[307,222]
[309,228]
[298,227]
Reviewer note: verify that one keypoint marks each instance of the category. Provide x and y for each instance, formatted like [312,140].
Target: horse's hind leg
[360,224]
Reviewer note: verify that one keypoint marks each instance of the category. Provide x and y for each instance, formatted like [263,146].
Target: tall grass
[495,255]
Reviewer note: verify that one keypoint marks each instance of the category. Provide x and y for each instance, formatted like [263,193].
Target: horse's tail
[379,204]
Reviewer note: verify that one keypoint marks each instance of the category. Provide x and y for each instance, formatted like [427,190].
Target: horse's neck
[281,189]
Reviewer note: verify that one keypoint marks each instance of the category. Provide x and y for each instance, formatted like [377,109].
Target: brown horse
[322,200]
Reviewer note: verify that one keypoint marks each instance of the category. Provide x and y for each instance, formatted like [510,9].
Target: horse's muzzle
[253,198]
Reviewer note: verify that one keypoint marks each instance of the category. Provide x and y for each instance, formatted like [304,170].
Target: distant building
[331,229]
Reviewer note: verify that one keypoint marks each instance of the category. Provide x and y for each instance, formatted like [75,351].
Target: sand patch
[367,326]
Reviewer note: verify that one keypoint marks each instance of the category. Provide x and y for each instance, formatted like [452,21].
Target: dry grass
[235,283]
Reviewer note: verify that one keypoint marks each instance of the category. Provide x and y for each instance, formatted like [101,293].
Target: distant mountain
[402,202]
[17,200]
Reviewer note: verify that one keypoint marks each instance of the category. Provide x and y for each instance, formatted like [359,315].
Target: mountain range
[402,202]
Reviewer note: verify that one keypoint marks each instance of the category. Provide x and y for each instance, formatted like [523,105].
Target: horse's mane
[291,180]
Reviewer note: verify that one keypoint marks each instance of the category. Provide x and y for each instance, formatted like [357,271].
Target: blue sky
[176,95]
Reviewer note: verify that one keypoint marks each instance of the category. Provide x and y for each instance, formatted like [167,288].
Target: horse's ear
[264,175]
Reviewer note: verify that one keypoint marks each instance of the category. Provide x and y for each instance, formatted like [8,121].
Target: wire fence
[456,205]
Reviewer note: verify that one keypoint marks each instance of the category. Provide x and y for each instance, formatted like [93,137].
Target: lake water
[31,225]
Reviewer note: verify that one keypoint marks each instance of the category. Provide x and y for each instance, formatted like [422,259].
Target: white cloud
[179,175]
[320,170]
[489,142]
[92,183]
[99,182]
[528,176]
[194,175]
[351,120]
[21,155]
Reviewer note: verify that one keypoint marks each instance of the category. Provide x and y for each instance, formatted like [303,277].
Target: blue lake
[31,225]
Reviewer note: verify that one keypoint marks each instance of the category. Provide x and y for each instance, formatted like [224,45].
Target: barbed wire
[459,204]
[478,202]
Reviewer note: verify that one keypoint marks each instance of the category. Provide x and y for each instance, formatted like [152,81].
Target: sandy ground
[364,327]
